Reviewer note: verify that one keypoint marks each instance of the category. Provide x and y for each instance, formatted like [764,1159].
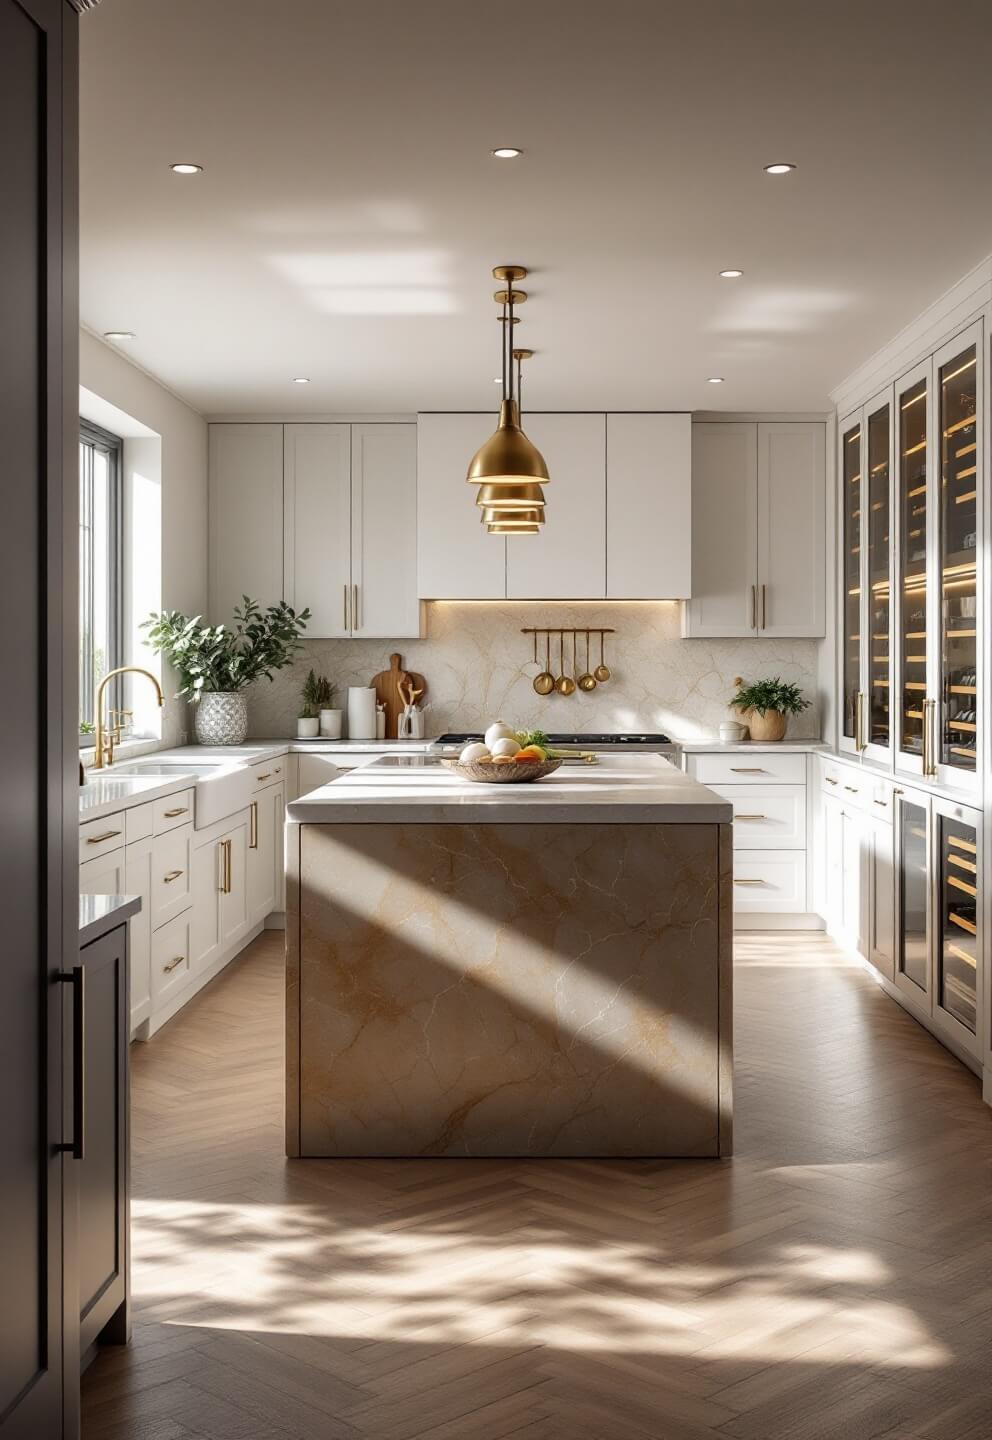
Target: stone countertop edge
[634,789]
[697,747]
[99,914]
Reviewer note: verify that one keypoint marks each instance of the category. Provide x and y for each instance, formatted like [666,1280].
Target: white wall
[165,474]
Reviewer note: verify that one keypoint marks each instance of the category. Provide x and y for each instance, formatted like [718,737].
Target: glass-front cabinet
[866,468]
[957,688]
[912,571]
[939,913]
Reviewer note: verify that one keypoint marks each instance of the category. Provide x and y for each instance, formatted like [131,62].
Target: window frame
[95,435]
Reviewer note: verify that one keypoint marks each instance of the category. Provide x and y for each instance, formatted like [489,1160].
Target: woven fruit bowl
[516,772]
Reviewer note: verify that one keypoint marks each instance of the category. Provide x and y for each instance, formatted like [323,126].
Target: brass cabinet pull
[225,867]
[266,776]
[880,802]
[852,789]
[356,622]
[830,780]
[749,882]
[99,839]
[747,770]
[764,606]
[172,875]
[345,589]
[171,814]
[277,770]
[754,610]
[750,817]
[178,960]
[929,738]
[253,831]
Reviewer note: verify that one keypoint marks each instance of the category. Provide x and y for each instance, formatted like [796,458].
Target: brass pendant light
[509,469]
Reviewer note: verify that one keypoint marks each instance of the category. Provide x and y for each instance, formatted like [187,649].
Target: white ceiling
[350,211]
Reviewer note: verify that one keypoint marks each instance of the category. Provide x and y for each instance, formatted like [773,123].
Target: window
[100,567]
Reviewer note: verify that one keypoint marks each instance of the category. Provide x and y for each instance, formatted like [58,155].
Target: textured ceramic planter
[307,728]
[221,717]
[770,726]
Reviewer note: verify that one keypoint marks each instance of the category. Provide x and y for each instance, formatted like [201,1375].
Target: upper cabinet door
[724,531]
[317,536]
[792,528]
[384,531]
[648,507]
[877,532]
[456,558]
[567,560]
[245,517]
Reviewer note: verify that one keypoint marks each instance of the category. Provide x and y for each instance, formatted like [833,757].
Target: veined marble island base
[517,989]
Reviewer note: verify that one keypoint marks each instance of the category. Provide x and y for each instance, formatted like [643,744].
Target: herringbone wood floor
[833,1280]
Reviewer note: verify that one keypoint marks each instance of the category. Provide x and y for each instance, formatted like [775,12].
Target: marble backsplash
[479,667]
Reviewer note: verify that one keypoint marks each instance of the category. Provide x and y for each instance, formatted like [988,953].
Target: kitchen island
[509,970]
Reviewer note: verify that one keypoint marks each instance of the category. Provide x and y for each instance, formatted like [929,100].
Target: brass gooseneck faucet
[109,734]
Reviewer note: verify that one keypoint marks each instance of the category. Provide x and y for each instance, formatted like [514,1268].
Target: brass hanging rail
[567,629]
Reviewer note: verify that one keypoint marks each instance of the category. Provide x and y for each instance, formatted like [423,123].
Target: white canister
[361,712]
[330,724]
[732,732]
[307,727]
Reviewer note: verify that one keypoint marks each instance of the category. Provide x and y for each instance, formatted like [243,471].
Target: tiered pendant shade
[500,515]
[514,529]
[508,457]
[510,497]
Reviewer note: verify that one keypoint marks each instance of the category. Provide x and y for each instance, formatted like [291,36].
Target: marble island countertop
[418,789]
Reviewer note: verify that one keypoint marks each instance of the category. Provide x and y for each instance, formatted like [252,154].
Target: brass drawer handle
[171,814]
[99,839]
[750,817]
[748,770]
[853,789]
[749,882]
[266,776]
[253,828]
[830,780]
[880,802]
[173,963]
[277,770]
[172,875]
[225,856]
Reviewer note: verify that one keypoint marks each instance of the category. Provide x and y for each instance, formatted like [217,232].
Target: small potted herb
[766,706]
[315,690]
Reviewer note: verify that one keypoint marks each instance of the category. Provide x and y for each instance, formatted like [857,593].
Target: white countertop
[105,793]
[638,789]
[100,913]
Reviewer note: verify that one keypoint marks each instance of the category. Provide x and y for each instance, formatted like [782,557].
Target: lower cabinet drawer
[171,880]
[753,767]
[170,958]
[771,882]
[771,817]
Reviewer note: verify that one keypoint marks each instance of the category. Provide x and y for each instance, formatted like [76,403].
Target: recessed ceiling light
[118,334]
[507,152]
[731,274]
[781,167]
[714,380]
[185,167]
[301,379]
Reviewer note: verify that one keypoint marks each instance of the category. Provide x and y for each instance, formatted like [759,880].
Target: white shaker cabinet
[792,518]
[648,506]
[384,531]
[456,557]
[265,853]
[724,531]
[758,530]
[245,517]
[317,534]
[567,560]
[350,529]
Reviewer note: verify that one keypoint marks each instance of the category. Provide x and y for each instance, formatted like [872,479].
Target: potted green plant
[766,706]
[216,663]
[315,699]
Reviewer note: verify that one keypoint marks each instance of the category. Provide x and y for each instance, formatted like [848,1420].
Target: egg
[473,753]
[498,730]
[506,746]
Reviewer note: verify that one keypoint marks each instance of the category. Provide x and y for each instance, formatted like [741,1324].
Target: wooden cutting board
[387,691]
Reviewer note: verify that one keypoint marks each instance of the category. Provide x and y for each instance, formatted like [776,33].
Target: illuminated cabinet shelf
[910,682]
